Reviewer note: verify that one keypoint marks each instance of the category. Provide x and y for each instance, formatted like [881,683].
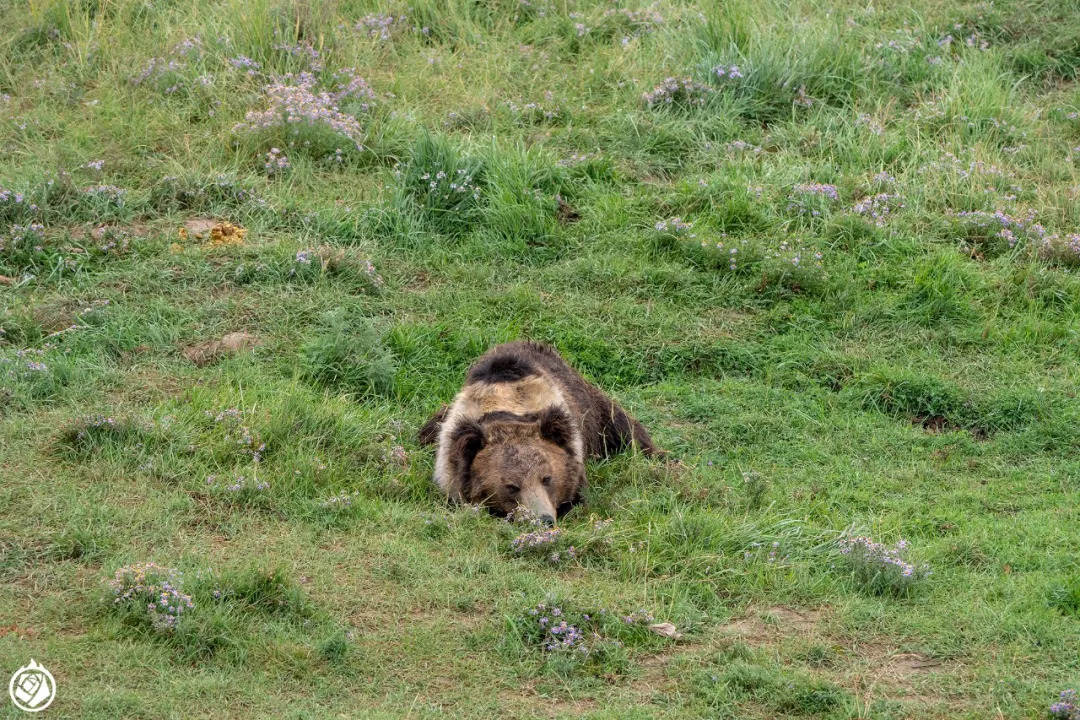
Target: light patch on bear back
[528,395]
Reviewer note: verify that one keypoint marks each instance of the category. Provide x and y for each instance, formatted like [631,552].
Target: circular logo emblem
[32,688]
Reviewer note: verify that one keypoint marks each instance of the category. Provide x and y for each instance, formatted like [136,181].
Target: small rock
[666,630]
[232,344]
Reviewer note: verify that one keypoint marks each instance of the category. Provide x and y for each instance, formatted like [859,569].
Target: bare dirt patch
[546,705]
[910,678]
[768,625]
[197,228]
[905,665]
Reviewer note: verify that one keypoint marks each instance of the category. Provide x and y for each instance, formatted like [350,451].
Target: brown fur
[521,428]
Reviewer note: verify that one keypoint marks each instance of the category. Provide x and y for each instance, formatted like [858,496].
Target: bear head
[508,461]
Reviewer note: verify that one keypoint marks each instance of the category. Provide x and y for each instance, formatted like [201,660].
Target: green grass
[829,349]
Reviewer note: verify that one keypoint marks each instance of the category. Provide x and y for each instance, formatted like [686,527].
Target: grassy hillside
[827,251]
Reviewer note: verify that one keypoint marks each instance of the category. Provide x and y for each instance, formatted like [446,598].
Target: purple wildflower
[154,587]
[677,91]
[1067,707]
[877,563]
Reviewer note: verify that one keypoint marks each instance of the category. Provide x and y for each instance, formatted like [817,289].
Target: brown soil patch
[899,677]
[770,624]
[197,228]
[897,671]
[547,706]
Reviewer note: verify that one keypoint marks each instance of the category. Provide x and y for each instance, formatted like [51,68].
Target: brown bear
[520,429]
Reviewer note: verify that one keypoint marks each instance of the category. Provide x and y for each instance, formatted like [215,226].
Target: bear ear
[555,426]
[468,439]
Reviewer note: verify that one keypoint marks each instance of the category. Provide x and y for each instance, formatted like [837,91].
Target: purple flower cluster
[20,237]
[727,72]
[638,617]
[1065,250]
[305,51]
[558,635]
[21,366]
[1067,707]
[294,101]
[1010,228]
[276,162]
[98,165]
[822,189]
[875,562]
[350,87]
[874,126]
[239,434]
[380,26]
[790,252]
[161,71]
[242,62]
[11,200]
[878,207]
[533,112]
[730,253]
[191,47]
[534,539]
[108,193]
[740,146]
[156,587]
[811,198]
[396,455]
[677,91]
[89,423]
[111,241]
[675,226]
[341,500]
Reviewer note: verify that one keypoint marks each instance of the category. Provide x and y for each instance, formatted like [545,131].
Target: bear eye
[512,489]
[545,481]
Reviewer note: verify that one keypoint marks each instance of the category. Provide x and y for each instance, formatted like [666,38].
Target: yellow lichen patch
[227,234]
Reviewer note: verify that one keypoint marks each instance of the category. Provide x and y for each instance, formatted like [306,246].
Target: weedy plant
[442,185]
[151,593]
[882,568]
[347,353]
[1067,706]
[571,640]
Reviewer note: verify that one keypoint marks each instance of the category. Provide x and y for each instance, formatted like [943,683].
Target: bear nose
[547,520]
